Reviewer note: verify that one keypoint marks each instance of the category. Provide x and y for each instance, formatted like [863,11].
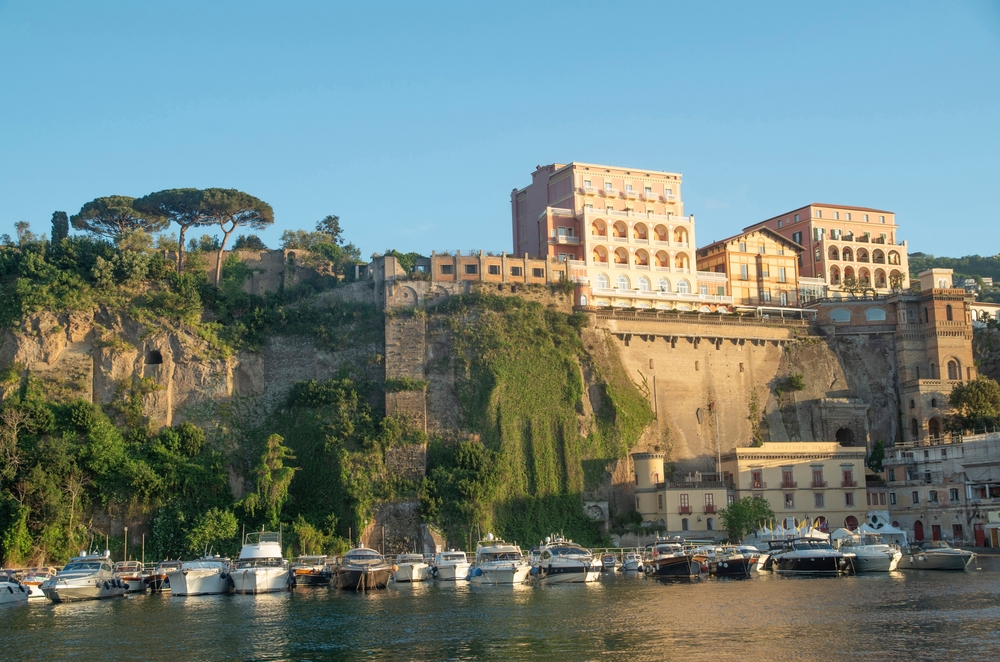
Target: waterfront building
[761,267]
[984,311]
[846,246]
[819,482]
[687,506]
[946,488]
[622,233]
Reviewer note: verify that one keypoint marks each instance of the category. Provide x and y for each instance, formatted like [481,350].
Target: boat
[731,561]
[311,571]
[563,561]
[85,577]
[632,562]
[261,568]
[450,566]
[362,569]
[32,579]
[937,555]
[208,575]
[762,557]
[498,562]
[810,556]
[609,561]
[12,591]
[670,559]
[871,552]
[411,568]
[157,580]
[133,574]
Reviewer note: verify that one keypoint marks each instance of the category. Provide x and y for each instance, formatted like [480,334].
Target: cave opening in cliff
[845,436]
[153,357]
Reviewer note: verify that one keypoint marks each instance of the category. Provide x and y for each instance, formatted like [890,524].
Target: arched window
[834,253]
[947,312]
[622,282]
[583,299]
[913,405]
[683,287]
[644,284]
[954,372]
[914,430]
[602,281]
[663,284]
[875,315]
[934,428]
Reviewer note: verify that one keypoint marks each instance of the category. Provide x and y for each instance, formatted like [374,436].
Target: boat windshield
[260,563]
[667,549]
[81,566]
[453,557]
[500,556]
[203,564]
[937,544]
[568,551]
[362,557]
[809,545]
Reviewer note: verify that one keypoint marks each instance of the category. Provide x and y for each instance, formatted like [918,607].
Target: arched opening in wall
[834,253]
[913,405]
[639,231]
[583,299]
[918,530]
[954,372]
[914,430]
[934,374]
[835,275]
[934,428]
[154,357]
[927,316]
[851,522]
[684,524]
[948,313]
[845,436]
[934,402]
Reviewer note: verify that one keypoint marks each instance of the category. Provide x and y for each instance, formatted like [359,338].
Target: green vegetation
[977,406]
[745,516]
[793,382]
[877,455]
[399,384]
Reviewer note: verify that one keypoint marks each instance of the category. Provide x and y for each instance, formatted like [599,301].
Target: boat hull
[311,578]
[199,582]
[35,591]
[411,572]
[158,584]
[259,580]
[736,567]
[809,565]
[952,562]
[90,590]
[364,579]
[451,573]
[876,562]
[499,575]
[569,574]
[680,567]
[14,594]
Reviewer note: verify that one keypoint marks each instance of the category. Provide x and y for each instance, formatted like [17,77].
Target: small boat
[411,568]
[871,552]
[498,562]
[85,577]
[261,568]
[609,562]
[32,579]
[809,556]
[563,561]
[762,557]
[731,561]
[157,581]
[208,575]
[132,573]
[670,559]
[632,562]
[450,566]
[311,571]
[937,555]
[12,591]
[363,569]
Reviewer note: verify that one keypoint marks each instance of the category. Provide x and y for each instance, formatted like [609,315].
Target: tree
[743,516]
[214,530]
[249,242]
[977,405]
[60,227]
[877,455]
[232,209]
[273,481]
[24,233]
[183,206]
[115,215]
[330,226]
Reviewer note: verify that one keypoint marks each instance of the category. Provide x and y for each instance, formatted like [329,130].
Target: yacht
[450,566]
[632,562]
[132,573]
[810,556]
[157,580]
[610,561]
[937,555]
[751,550]
[498,562]
[85,577]
[871,552]
[670,559]
[362,569]
[260,568]
[311,571]
[731,561]
[563,561]
[32,579]
[12,591]
[208,575]
[411,568]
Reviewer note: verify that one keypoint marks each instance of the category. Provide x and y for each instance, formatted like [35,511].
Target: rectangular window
[781,275]
[819,213]
[494,269]
[818,500]
[796,218]
[817,234]
[953,494]
[868,498]
[956,532]
[786,477]
[892,475]
[721,290]
[628,187]
[703,289]
[607,186]
[709,499]
[932,496]
[447,269]
[881,498]
[561,231]
[659,502]
[516,271]
[797,237]
[818,478]
[836,215]
[789,499]
[586,183]
[472,269]
[757,479]
[866,218]
[881,219]
[915,497]
[685,501]
[763,250]
[649,191]
[668,191]
[784,298]
[892,498]
[849,499]
[779,223]
[743,247]
[730,499]
[538,273]
[848,215]
[849,478]
[767,296]
[744,272]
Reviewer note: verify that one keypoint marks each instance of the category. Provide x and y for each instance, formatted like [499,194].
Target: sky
[414,121]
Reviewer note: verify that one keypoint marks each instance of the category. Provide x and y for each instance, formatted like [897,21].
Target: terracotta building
[761,267]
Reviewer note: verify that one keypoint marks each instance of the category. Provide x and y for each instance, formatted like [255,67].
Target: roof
[821,204]
[774,235]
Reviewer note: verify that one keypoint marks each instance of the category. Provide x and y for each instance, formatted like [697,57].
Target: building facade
[623,234]
[818,482]
[761,267]
[848,247]
[686,507]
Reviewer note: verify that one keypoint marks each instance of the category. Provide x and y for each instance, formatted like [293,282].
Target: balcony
[588,190]
[629,193]
[610,193]
[709,509]
[621,265]
[684,510]
[848,483]
[620,240]
[671,218]
[789,485]
[565,239]
[668,198]
[642,267]
[640,240]
[661,242]
[650,196]
[817,484]
[758,485]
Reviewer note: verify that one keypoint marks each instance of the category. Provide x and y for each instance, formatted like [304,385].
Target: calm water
[912,615]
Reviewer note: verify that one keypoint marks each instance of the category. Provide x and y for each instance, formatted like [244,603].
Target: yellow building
[685,507]
[807,481]
[761,267]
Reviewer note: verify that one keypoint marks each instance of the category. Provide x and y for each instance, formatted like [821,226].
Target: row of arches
[620,230]
[864,276]
[933,428]
[643,284]
[641,258]
[643,305]
[877,256]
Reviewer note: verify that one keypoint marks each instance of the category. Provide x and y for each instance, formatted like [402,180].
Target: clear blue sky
[413,121]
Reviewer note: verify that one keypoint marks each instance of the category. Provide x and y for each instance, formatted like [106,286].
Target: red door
[935,532]
[980,535]
[918,530]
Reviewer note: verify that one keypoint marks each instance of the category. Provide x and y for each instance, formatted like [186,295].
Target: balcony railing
[610,192]
[565,239]
[685,510]
[848,483]
[621,265]
[758,485]
[631,194]
[709,508]
[789,485]
[656,294]
[628,213]
[620,240]
[818,484]
[588,190]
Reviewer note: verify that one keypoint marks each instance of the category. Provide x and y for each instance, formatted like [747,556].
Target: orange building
[761,266]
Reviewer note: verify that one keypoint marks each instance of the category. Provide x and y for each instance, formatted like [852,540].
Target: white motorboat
[12,591]
[85,577]
[498,562]
[411,568]
[562,561]
[450,566]
[32,579]
[205,576]
[810,556]
[261,568]
[871,552]
[632,562]
[133,574]
[937,555]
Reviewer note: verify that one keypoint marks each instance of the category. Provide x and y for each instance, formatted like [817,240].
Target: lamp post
[125,553]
